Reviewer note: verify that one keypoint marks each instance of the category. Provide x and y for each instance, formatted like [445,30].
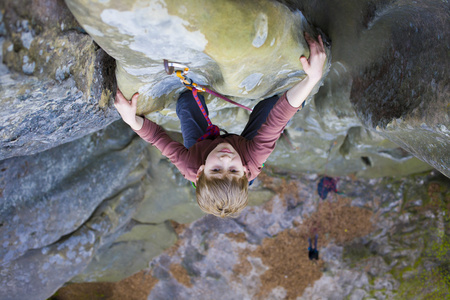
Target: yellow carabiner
[179,74]
[182,75]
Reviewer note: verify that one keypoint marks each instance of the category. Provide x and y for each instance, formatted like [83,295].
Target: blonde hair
[223,196]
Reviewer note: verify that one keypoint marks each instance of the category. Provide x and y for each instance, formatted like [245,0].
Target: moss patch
[355,252]
[431,278]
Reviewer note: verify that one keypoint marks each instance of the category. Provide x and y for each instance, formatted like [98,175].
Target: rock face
[56,83]
[331,133]
[52,193]
[76,201]
[392,56]
[405,95]
[58,207]
[226,44]
[373,243]
[51,63]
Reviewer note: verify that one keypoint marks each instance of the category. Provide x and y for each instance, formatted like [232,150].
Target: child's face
[223,160]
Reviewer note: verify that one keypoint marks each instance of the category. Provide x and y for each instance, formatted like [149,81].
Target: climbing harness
[212,130]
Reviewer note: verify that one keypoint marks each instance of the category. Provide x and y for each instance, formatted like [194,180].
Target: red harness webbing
[212,130]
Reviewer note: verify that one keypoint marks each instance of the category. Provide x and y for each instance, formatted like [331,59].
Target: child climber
[221,166]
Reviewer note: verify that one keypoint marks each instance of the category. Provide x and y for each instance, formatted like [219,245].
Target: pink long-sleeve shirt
[253,152]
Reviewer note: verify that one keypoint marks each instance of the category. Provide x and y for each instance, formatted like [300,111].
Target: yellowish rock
[245,50]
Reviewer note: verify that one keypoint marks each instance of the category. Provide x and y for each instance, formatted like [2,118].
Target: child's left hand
[313,66]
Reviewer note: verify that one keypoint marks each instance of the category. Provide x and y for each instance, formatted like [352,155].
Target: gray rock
[59,207]
[62,207]
[404,95]
[50,194]
[128,254]
[376,266]
[358,294]
[56,84]
[40,272]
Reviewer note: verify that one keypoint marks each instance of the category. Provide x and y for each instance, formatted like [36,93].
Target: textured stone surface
[60,205]
[327,137]
[394,259]
[405,95]
[38,273]
[56,83]
[129,253]
[397,55]
[85,207]
[222,57]
[51,194]
[227,44]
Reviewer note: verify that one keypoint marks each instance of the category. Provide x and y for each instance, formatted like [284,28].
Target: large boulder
[50,194]
[246,50]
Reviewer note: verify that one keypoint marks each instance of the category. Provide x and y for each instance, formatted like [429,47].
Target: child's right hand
[127,110]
